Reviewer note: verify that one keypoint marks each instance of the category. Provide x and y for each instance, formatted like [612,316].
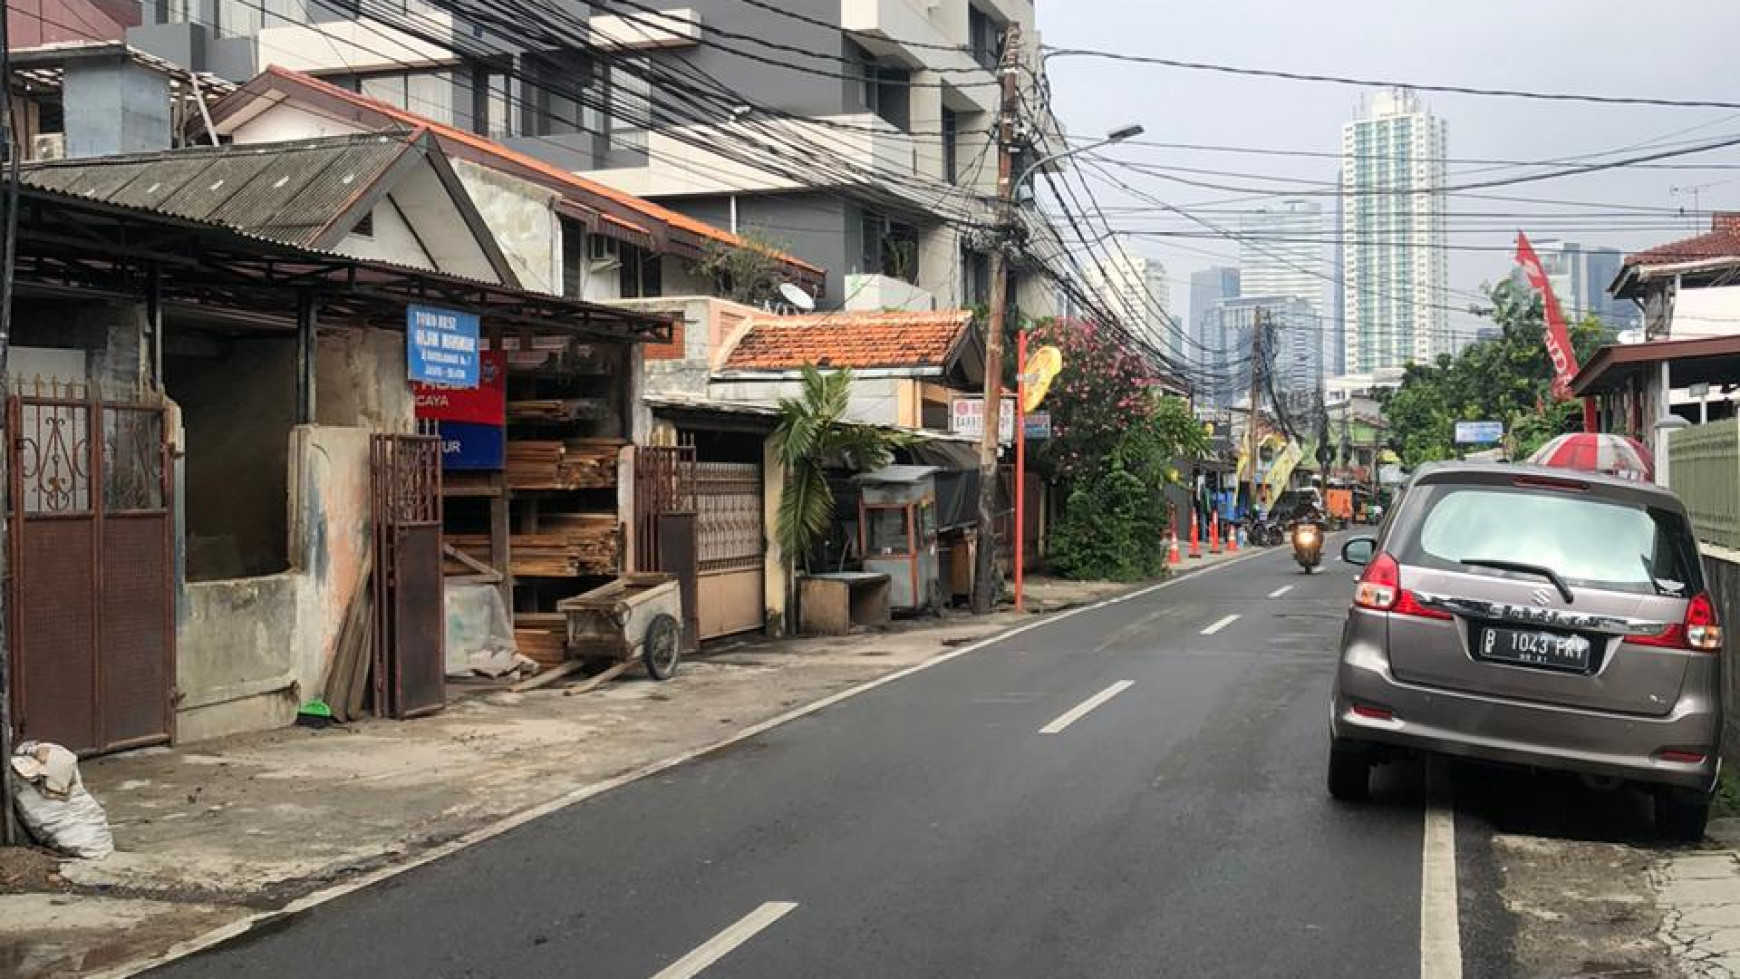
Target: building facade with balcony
[856,133]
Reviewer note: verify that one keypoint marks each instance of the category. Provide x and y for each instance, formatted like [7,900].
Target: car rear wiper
[1518,566]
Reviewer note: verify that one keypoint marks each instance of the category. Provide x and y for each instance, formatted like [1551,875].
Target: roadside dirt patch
[26,869]
[1582,908]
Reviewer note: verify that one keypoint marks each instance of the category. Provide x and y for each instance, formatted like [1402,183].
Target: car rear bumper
[1519,733]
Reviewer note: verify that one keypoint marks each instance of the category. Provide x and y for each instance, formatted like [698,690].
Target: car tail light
[1699,631]
[1380,589]
[1551,483]
[1681,756]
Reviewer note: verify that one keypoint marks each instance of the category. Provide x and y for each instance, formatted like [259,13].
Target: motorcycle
[1307,544]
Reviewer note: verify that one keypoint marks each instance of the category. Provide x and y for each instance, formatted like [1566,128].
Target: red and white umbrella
[1617,455]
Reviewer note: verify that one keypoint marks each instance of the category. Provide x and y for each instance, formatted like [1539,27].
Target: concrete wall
[522,216]
[874,400]
[360,381]
[821,230]
[685,366]
[115,107]
[286,121]
[249,651]
[110,335]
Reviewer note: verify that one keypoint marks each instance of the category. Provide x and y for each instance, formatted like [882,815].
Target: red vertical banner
[1559,350]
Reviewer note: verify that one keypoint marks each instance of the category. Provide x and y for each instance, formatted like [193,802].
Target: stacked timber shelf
[564,426]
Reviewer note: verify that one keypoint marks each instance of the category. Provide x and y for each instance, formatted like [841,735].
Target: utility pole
[8,249]
[986,580]
[1259,325]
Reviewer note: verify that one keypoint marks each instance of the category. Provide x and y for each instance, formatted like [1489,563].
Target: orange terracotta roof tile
[492,148]
[855,340]
[1721,241]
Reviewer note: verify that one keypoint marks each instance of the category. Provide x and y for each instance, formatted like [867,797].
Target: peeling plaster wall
[360,381]
[522,216]
[249,651]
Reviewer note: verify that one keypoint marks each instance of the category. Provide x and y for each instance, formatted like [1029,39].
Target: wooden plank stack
[562,465]
[569,545]
[556,411]
[542,636]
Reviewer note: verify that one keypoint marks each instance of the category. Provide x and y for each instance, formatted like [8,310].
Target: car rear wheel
[1349,773]
[1681,816]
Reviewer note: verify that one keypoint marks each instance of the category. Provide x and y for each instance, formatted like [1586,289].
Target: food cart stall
[897,524]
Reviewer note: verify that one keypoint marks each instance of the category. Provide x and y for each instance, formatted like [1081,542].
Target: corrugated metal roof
[288,192]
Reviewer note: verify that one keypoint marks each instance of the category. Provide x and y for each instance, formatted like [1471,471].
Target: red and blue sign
[485,404]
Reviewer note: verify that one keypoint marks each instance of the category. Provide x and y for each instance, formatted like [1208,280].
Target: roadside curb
[252,923]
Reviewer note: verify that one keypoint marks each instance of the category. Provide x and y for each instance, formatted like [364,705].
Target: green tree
[1115,519]
[812,436]
[1507,379]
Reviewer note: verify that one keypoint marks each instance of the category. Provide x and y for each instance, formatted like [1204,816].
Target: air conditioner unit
[603,251]
[48,146]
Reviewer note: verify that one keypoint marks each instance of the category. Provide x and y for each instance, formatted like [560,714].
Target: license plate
[1553,650]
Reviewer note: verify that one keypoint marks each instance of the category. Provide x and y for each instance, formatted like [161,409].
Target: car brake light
[1380,589]
[1551,483]
[1700,630]
[1681,756]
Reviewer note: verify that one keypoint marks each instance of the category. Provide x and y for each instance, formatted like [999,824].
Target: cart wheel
[661,647]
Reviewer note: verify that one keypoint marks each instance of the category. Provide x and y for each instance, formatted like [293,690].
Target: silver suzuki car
[1537,617]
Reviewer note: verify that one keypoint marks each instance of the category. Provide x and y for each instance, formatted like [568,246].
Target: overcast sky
[1677,49]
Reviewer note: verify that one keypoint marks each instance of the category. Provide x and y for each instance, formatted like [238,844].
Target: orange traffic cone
[1232,538]
[1195,544]
[1213,533]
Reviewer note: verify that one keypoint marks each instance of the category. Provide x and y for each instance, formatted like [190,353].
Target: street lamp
[1117,135]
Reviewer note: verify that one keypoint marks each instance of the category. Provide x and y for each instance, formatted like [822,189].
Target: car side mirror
[1359,551]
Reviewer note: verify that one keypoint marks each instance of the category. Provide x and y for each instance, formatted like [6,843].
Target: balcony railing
[1704,469]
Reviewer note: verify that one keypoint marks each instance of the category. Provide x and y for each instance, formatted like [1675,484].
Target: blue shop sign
[441,346]
[467,445]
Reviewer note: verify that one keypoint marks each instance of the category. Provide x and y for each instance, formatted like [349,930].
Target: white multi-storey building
[1282,254]
[1395,275]
[1136,289]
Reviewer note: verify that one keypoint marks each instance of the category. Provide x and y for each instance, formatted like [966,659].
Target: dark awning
[1707,360]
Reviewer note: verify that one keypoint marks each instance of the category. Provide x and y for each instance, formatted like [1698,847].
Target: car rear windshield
[1586,540]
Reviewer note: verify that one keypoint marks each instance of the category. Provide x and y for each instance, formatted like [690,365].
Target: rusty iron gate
[90,499]
[665,524]
[732,548]
[409,650]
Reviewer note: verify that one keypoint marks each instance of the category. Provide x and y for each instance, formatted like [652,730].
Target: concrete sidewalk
[212,833]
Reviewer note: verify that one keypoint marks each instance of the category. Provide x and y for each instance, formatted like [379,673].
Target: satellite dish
[797,297]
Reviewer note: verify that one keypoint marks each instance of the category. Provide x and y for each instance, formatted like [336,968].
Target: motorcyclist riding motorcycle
[1306,530]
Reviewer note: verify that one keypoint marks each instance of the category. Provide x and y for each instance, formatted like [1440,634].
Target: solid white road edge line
[721,945]
[1440,924]
[1284,589]
[1080,710]
[1222,624]
[234,929]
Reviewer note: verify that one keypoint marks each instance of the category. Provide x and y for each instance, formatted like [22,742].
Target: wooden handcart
[637,617]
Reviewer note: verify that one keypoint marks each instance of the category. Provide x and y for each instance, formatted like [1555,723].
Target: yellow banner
[1043,365]
[1282,470]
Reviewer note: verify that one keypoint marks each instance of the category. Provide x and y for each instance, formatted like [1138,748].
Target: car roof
[1610,487]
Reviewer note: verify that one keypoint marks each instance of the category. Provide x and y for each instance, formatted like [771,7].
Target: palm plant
[813,433]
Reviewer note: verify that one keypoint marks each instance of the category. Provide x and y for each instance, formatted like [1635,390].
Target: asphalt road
[1178,827]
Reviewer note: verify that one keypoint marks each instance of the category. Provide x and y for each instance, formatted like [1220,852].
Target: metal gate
[93,618]
[732,586]
[664,518]
[409,650]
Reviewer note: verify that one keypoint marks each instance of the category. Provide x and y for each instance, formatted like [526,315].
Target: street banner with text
[1559,350]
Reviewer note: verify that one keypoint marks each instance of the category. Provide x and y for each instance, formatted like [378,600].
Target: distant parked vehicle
[1531,616]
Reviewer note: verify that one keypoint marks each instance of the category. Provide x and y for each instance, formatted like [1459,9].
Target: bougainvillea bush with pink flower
[1116,444]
